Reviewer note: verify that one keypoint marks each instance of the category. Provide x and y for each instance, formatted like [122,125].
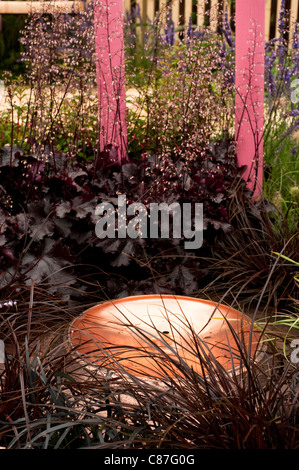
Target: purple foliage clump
[47,211]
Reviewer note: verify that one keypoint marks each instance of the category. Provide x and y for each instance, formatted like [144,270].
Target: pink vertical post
[109,38]
[249,103]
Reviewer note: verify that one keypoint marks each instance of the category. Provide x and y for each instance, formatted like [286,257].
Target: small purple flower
[136,13]
[295,50]
[295,44]
[169,31]
[282,28]
[282,18]
[270,58]
[227,31]
[190,29]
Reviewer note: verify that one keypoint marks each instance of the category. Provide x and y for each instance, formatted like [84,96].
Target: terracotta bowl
[146,335]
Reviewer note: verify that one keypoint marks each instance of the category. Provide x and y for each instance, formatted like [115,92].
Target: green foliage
[10,47]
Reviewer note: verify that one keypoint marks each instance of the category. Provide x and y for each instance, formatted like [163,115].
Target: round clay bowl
[147,335]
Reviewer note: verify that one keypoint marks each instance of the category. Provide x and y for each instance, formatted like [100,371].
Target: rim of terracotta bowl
[94,357]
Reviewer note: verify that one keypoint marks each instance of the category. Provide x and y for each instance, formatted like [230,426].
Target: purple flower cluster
[281,66]
[193,33]
[270,59]
[169,30]
[227,32]
[227,52]
[295,51]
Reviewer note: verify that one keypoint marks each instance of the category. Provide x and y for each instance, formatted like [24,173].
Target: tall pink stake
[249,103]
[109,38]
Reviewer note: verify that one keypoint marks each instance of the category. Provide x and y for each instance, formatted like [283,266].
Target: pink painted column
[109,37]
[249,103]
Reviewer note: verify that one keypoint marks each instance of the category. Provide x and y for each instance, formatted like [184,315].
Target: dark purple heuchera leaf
[74,174]
[111,246]
[126,255]
[35,171]
[129,172]
[10,155]
[3,220]
[40,222]
[63,226]
[183,276]
[63,209]
[50,268]
[2,240]
[218,225]
[83,207]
